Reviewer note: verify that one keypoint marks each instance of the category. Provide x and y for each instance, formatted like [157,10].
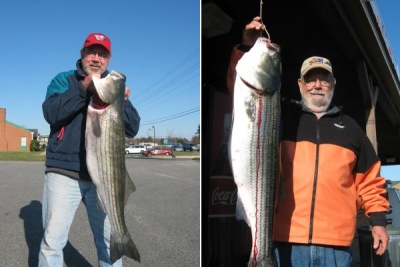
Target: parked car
[158,151]
[147,145]
[177,148]
[189,147]
[135,149]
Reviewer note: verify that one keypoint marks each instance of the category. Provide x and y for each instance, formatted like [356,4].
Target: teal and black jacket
[65,109]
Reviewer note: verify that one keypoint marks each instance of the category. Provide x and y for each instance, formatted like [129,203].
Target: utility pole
[154,139]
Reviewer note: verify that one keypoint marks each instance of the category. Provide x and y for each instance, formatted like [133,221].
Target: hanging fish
[254,144]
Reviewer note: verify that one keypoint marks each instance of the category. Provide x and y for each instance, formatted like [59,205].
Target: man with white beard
[329,170]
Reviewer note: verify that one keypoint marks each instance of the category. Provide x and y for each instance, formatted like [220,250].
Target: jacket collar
[333,109]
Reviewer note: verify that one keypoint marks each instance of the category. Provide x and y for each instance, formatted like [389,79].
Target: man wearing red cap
[67,181]
[329,170]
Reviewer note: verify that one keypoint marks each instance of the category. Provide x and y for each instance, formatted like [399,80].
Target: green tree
[196,137]
[34,146]
[43,147]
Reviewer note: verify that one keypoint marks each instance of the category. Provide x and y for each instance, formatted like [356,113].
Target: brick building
[13,137]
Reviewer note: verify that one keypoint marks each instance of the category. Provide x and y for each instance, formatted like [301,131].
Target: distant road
[163,215]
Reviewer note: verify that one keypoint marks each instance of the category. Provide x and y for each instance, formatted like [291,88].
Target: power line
[169,83]
[177,114]
[149,91]
[180,80]
[171,117]
[163,94]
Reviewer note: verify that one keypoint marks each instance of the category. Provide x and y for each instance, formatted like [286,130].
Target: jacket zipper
[314,184]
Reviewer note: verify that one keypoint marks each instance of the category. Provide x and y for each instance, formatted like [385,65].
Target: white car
[135,149]
[177,148]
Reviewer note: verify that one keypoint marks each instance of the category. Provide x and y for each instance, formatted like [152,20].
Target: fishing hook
[262,23]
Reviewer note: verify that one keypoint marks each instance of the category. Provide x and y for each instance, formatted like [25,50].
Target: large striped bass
[254,144]
[105,147]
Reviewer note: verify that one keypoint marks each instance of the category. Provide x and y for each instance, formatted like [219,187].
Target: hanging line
[262,23]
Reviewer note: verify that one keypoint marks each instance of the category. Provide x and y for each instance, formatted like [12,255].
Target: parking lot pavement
[195,157]
[162,215]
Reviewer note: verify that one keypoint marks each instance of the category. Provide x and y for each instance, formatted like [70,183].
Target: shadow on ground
[32,216]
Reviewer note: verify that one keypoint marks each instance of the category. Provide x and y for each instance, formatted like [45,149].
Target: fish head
[261,67]
[270,68]
[109,89]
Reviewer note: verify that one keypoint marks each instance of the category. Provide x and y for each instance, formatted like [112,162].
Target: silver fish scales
[105,146]
[254,144]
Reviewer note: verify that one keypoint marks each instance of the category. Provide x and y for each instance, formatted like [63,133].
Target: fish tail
[123,246]
[268,262]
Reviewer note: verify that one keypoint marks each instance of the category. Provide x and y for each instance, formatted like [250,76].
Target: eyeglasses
[310,83]
[92,53]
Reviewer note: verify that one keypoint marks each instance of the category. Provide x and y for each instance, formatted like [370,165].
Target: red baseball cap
[98,38]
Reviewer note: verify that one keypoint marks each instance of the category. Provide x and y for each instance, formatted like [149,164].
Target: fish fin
[96,125]
[100,204]
[129,188]
[123,245]
[240,212]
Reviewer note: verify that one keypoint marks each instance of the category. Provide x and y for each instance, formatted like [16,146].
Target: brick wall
[11,135]
[3,141]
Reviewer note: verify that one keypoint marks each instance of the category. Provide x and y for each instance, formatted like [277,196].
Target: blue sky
[389,10]
[156,44]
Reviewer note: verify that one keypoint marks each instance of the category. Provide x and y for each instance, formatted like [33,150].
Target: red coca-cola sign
[223,196]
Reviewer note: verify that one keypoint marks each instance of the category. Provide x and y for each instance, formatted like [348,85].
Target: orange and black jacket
[329,170]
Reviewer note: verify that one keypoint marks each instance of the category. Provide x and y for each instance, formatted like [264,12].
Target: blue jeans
[61,198]
[303,255]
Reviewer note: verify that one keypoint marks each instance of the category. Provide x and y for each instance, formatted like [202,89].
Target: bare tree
[170,134]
